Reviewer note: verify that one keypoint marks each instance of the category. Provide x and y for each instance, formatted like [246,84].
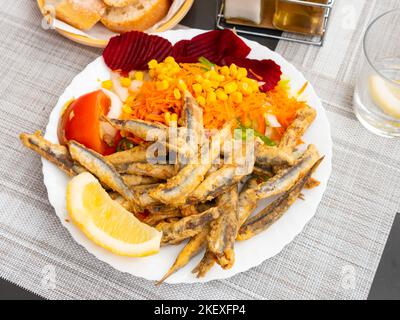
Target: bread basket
[93,41]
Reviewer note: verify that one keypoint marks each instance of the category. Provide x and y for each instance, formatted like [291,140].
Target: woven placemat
[336,255]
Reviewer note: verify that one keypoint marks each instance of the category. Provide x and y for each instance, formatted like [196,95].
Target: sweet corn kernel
[242,73]
[230,87]
[207,75]
[216,77]
[153,64]
[129,100]
[126,108]
[207,84]
[199,78]
[174,117]
[201,100]
[125,82]
[175,69]
[164,70]
[221,95]
[197,88]
[162,85]
[233,69]
[169,60]
[167,117]
[214,84]
[139,75]
[237,97]
[245,88]
[163,76]
[254,85]
[107,84]
[177,94]
[182,85]
[225,71]
[152,73]
[221,78]
[211,97]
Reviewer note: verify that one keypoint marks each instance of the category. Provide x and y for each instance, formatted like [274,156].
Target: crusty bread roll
[82,14]
[139,15]
[118,3]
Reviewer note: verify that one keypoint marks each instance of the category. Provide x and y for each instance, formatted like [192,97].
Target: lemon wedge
[385,95]
[106,222]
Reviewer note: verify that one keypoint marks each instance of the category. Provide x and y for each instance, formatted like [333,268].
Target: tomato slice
[81,122]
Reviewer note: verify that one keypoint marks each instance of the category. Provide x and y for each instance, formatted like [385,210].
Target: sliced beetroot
[133,50]
[213,45]
[261,70]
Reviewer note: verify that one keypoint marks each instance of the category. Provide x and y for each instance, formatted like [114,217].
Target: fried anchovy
[265,173]
[159,171]
[286,178]
[215,184]
[303,120]
[128,205]
[221,240]
[162,209]
[55,153]
[247,200]
[312,183]
[176,190]
[275,210]
[267,156]
[136,154]
[187,227]
[205,264]
[145,130]
[154,218]
[192,117]
[201,207]
[142,197]
[221,180]
[191,249]
[215,167]
[135,180]
[180,148]
[193,209]
[189,210]
[102,169]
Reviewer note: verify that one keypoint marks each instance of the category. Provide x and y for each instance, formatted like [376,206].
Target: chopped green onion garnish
[206,62]
[264,138]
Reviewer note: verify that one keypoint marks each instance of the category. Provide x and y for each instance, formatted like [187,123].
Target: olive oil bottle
[299,18]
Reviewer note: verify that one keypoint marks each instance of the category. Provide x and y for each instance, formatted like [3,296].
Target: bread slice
[119,3]
[81,14]
[139,15]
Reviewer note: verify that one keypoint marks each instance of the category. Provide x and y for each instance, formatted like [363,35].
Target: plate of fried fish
[186,156]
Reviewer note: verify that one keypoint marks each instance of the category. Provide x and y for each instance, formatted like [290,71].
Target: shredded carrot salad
[283,106]
[224,93]
[151,104]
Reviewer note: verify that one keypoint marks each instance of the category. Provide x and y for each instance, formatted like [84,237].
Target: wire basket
[269,31]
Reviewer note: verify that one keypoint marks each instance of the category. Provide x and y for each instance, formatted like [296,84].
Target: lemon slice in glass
[386,95]
[106,222]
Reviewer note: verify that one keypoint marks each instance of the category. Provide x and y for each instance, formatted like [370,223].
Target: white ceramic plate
[248,253]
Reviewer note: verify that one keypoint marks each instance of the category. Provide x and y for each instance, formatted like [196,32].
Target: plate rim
[328,157]
[97,43]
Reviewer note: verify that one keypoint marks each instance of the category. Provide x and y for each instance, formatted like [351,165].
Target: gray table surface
[387,280]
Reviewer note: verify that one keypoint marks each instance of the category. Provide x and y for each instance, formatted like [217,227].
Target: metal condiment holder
[317,40]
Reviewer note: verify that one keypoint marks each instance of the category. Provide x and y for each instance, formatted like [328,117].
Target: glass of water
[377,94]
